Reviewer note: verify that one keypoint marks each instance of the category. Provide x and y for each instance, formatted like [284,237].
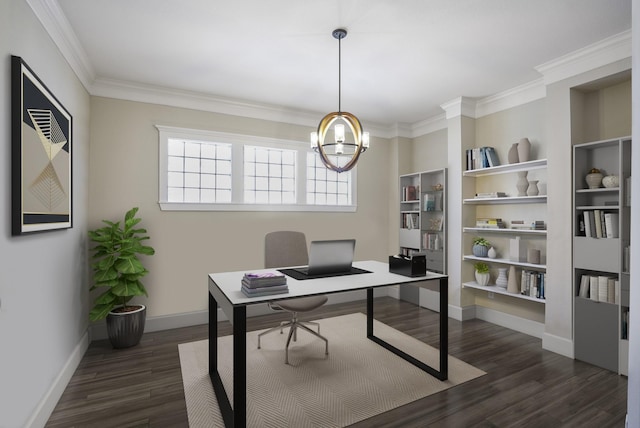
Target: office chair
[283,249]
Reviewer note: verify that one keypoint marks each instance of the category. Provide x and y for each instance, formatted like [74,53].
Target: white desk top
[228,283]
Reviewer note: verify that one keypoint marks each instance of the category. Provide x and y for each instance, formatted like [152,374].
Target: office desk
[224,291]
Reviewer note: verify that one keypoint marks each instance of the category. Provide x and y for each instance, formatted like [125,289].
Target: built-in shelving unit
[601,239]
[505,232]
[423,225]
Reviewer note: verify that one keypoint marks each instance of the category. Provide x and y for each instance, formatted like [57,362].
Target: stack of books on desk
[264,283]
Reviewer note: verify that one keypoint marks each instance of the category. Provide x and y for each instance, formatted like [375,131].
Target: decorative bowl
[611,181]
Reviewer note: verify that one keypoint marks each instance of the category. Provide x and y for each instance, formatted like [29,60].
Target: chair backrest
[285,248]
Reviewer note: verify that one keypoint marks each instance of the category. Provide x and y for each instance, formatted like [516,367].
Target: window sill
[179,206]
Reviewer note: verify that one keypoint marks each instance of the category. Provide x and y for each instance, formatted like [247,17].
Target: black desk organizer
[415,265]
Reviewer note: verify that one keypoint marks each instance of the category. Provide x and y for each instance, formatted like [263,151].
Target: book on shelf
[600,224]
[584,287]
[481,157]
[483,195]
[533,283]
[600,288]
[431,241]
[490,223]
[432,202]
[593,288]
[410,193]
[410,221]
[492,156]
[528,225]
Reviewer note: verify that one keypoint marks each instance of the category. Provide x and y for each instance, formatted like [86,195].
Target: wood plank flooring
[525,386]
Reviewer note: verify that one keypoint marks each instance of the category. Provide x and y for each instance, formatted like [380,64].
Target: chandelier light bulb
[339,133]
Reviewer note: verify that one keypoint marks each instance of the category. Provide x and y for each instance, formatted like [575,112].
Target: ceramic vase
[482,278]
[492,253]
[594,180]
[512,155]
[502,281]
[480,250]
[524,149]
[522,184]
[512,282]
[532,190]
[611,181]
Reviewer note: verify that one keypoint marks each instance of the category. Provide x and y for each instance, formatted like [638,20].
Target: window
[215,171]
[198,171]
[269,175]
[324,186]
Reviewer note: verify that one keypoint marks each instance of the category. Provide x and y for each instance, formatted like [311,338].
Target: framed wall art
[40,155]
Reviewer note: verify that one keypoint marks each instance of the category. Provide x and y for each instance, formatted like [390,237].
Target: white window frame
[238,141]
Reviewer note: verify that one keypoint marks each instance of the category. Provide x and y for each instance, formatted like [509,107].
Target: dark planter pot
[125,328]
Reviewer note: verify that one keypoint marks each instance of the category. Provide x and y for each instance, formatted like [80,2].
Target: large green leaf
[129,288]
[129,265]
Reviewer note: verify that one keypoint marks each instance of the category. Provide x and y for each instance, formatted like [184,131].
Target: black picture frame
[41,155]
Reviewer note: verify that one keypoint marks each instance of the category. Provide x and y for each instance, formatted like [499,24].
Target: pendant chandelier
[342,144]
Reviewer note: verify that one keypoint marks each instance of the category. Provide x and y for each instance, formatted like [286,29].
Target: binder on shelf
[611,225]
[597,222]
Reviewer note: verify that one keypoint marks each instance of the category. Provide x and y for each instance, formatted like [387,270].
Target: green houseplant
[117,268]
[480,246]
[482,273]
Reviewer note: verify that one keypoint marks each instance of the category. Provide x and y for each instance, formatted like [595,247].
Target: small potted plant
[482,273]
[117,268]
[480,247]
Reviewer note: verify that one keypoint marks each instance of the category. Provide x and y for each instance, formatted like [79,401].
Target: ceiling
[401,59]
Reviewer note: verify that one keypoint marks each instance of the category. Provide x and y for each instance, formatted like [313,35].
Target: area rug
[357,380]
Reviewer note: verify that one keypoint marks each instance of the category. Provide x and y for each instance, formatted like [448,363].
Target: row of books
[482,157]
[600,288]
[410,193]
[533,283]
[264,283]
[528,225]
[485,195]
[598,224]
[410,221]
[431,241]
[490,223]
[432,202]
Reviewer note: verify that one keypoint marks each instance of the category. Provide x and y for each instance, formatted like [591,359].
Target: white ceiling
[401,60]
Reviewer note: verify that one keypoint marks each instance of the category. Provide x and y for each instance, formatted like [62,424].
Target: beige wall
[429,151]
[124,173]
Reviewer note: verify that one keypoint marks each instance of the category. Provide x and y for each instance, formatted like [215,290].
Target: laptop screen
[330,256]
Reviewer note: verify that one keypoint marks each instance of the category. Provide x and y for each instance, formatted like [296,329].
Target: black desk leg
[443,372]
[235,416]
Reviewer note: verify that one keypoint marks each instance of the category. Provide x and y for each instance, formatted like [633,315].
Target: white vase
[594,180]
[524,149]
[512,154]
[492,253]
[532,190]
[522,184]
[611,181]
[482,278]
[502,281]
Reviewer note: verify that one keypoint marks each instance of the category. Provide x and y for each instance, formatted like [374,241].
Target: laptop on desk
[327,258]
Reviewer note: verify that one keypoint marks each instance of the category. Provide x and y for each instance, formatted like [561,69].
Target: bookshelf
[506,205]
[423,228]
[600,251]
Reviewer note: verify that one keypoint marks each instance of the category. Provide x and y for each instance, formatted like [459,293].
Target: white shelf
[500,290]
[507,200]
[506,231]
[504,169]
[506,262]
[597,207]
[599,190]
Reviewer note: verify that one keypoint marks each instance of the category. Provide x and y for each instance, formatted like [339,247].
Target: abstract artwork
[41,155]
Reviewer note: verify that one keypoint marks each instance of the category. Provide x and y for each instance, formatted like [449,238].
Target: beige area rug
[358,379]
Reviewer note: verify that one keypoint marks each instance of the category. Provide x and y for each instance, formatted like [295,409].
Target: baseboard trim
[557,344]
[532,328]
[44,409]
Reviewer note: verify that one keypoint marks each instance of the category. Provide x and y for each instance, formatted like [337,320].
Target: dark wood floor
[525,386]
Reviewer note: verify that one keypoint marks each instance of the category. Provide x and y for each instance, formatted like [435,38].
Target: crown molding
[461,106]
[596,55]
[427,126]
[510,98]
[57,26]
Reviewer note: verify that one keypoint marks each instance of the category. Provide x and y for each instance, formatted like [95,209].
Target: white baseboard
[557,344]
[44,409]
[532,328]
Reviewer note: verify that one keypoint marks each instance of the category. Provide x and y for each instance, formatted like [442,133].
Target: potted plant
[117,268]
[482,273]
[480,247]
